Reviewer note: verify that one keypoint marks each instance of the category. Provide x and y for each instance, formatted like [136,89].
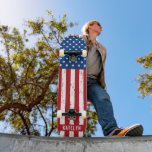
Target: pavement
[20,143]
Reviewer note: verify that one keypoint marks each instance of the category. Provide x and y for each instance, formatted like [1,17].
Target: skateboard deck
[72,91]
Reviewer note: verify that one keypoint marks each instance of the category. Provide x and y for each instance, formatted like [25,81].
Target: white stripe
[72,89]
[81,92]
[71,122]
[71,133]
[72,92]
[63,95]
[62,133]
[80,133]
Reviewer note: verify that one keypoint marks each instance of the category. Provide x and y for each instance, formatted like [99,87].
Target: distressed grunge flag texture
[72,88]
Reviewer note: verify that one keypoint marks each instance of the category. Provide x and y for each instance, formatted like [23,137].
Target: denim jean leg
[101,101]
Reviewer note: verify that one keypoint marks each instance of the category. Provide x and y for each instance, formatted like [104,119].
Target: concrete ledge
[19,143]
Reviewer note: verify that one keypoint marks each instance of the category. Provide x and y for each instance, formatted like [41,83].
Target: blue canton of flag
[65,63]
[73,44]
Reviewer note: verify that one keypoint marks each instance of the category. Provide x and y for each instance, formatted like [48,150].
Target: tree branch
[36,101]
[49,45]
[24,121]
[52,128]
[46,126]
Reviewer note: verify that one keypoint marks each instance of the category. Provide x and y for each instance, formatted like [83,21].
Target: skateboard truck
[73,55]
[71,114]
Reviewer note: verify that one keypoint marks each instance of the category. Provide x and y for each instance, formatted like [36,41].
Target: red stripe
[76,134]
[66,134]
[67,98]
[77,90]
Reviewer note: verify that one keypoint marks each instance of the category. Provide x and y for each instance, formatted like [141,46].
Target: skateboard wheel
[59,114]
[61,53]
[84,115]
[84,53]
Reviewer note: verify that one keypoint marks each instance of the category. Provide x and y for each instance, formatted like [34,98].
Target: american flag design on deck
[72,88]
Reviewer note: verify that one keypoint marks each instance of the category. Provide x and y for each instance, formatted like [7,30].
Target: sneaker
[135,130]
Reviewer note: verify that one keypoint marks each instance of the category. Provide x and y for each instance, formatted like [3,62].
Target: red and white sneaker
[135,130]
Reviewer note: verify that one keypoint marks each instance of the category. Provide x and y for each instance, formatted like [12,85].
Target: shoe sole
[135,130]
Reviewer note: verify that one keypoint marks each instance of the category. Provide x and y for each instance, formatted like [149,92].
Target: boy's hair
[85,30]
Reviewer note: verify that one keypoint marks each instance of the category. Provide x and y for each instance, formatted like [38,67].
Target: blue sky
[127,35]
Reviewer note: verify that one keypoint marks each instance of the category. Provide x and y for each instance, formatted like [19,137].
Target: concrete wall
[18,143]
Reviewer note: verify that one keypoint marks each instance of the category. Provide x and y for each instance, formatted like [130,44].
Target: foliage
[145,80]
[28,76]
[91,121]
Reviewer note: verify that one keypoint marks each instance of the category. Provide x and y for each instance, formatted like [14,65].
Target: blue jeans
[101,101]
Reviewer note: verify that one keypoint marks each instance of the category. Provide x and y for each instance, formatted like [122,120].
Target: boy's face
[96,27]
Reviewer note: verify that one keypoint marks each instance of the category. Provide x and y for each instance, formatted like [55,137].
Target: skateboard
[72,88]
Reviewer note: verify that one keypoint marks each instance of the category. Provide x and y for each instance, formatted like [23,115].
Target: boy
[96,86]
